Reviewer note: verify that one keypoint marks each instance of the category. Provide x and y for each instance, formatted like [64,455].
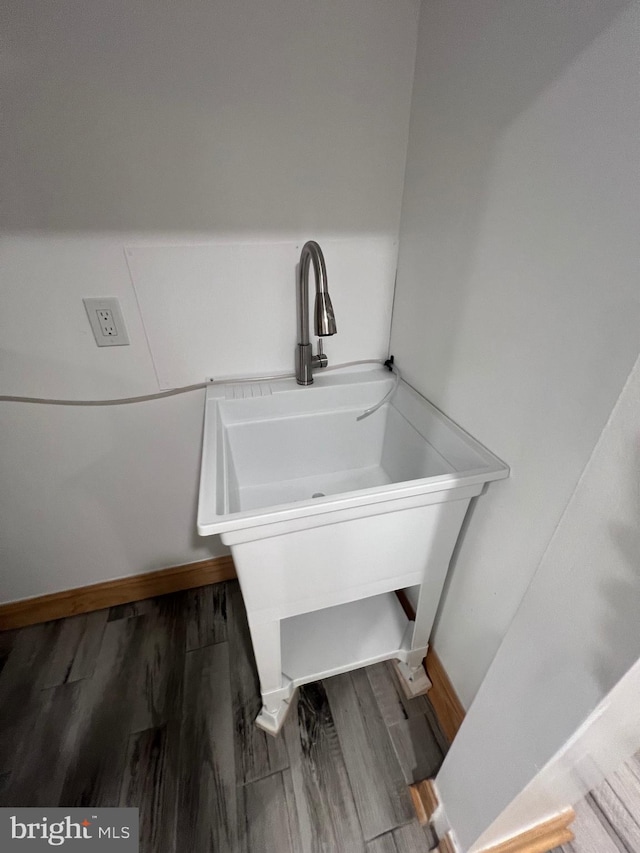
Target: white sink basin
[327,513]
[270,447]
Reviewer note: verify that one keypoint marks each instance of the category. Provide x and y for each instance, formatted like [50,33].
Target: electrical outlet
[106,321]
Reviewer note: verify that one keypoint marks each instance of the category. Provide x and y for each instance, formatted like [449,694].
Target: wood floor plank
[608,818]
[131,610]
[207,805]
[591,836]
[46,749]
[326,810]
[150,783]
[74,648]
[417,750]
[257,753]
[6,644]
[20,682]
[267,821]
[614,801]
[625,785]
[396,707]
[413,838]
[105,704]
[292,810]
[382,750]
[4,655]
[89,646]
[382,844]
[207,617]
[380,792]
[160,664]
[436,731]
[388,698]
[6,639]
[605,821]
[63,651]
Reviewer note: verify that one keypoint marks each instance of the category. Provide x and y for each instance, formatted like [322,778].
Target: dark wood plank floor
[152,705]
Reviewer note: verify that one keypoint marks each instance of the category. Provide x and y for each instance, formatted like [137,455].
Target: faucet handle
[320,360]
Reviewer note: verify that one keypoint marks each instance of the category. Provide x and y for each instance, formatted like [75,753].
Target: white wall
[196,123]
[573,638]
[517,306]
[230,115]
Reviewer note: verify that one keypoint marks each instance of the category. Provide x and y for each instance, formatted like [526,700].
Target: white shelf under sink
[337,639]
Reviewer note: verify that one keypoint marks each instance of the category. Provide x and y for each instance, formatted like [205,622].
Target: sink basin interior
[274,449]
[287,459]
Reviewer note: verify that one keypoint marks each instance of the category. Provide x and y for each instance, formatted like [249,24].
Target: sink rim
[210,523]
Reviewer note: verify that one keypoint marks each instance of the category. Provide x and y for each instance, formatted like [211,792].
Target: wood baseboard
[446,845]
[425,800]
[58,605]
[442,695]
[542,838]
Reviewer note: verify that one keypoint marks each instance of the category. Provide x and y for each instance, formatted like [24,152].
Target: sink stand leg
[413,677]
[274,710]
[276,689]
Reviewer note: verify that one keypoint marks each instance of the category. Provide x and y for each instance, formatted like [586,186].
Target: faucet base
[304,362]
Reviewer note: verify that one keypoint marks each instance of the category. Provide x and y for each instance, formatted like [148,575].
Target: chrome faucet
[325,323]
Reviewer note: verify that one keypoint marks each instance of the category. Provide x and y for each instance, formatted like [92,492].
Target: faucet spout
[324,319]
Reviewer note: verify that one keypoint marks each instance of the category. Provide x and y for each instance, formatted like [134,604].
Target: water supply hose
[390,366]
[185,389]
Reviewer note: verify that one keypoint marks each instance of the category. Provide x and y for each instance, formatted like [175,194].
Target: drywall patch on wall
[229,308]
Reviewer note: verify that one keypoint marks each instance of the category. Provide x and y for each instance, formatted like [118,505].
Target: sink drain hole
[318,495]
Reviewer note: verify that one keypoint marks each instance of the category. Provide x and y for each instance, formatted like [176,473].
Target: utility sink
[327,516]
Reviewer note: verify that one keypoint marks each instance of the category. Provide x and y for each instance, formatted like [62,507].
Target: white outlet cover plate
[108,303]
